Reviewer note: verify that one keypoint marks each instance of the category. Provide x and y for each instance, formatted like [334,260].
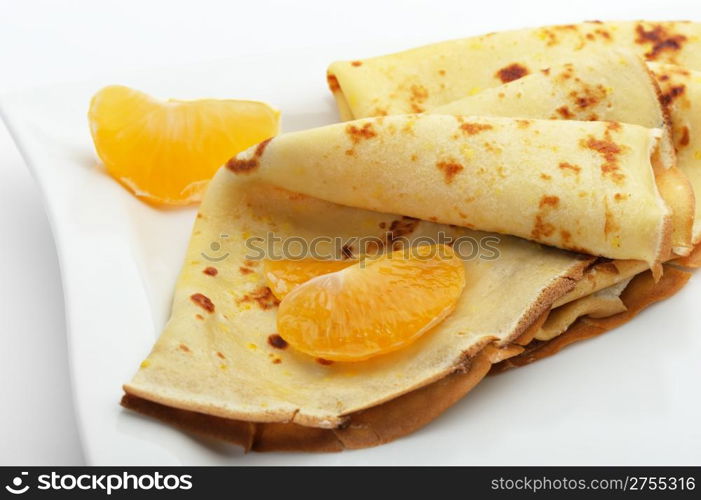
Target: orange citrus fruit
[372,307]
[282,276]
[165,152]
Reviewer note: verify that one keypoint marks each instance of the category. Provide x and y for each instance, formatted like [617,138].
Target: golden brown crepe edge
[411,411]
[547,296]
[693,260]
[642,292]
[673,184]
[366,428]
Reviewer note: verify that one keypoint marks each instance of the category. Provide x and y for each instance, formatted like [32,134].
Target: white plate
[628,397]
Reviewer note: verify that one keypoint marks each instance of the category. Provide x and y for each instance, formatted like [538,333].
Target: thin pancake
[640,293]
[609,85]
[504,175]
[600,304]
[681,93]
[214,356]
[602,275]
[420,79]
[407,413]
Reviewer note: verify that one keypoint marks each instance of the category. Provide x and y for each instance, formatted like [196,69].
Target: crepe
[639,294]
[600,304]
[217,368]
[215,356]
[681,93]
[420,79]
[405,414]
[582,186]
[609,85]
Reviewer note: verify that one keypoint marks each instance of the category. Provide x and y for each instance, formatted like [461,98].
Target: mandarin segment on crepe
[373,307]
[165,152]
[283,276]
[203,378]
[218,357]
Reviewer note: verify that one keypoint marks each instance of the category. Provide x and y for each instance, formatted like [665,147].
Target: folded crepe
[429,78]
[216,355]
[405,414]
[582,186]
[680,92]
[609,85]
[217,370]
[420,79]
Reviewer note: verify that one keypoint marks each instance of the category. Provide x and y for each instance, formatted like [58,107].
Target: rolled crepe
[582,186]
[600,304]
[609,85]
[681,93]
[420,79]
[641,292]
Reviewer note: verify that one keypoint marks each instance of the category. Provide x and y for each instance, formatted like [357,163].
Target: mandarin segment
[372,307]
[165,152]
[282,276]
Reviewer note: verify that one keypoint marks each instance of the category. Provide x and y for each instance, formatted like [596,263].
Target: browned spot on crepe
[202,301]
[262,296]
[242,166]
[358,134]
[450,169]
[565,112]
[511,72]
[660,39]
[569,166]
[671,94]
[277,341]
[332,82]
[475,128]
[400,228]
[418,95]
[549,201]
[609,151]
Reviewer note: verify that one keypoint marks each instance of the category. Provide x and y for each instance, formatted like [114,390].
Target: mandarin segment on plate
[372,307]
[165,152]
[282,276]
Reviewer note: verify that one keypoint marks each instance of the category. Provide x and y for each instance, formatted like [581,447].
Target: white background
[43,43]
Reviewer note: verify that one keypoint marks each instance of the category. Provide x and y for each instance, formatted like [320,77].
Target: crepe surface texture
[582,186]
[214,355]
[420,79]
[409,412]
[216,369]
[681,93]
[610,85]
